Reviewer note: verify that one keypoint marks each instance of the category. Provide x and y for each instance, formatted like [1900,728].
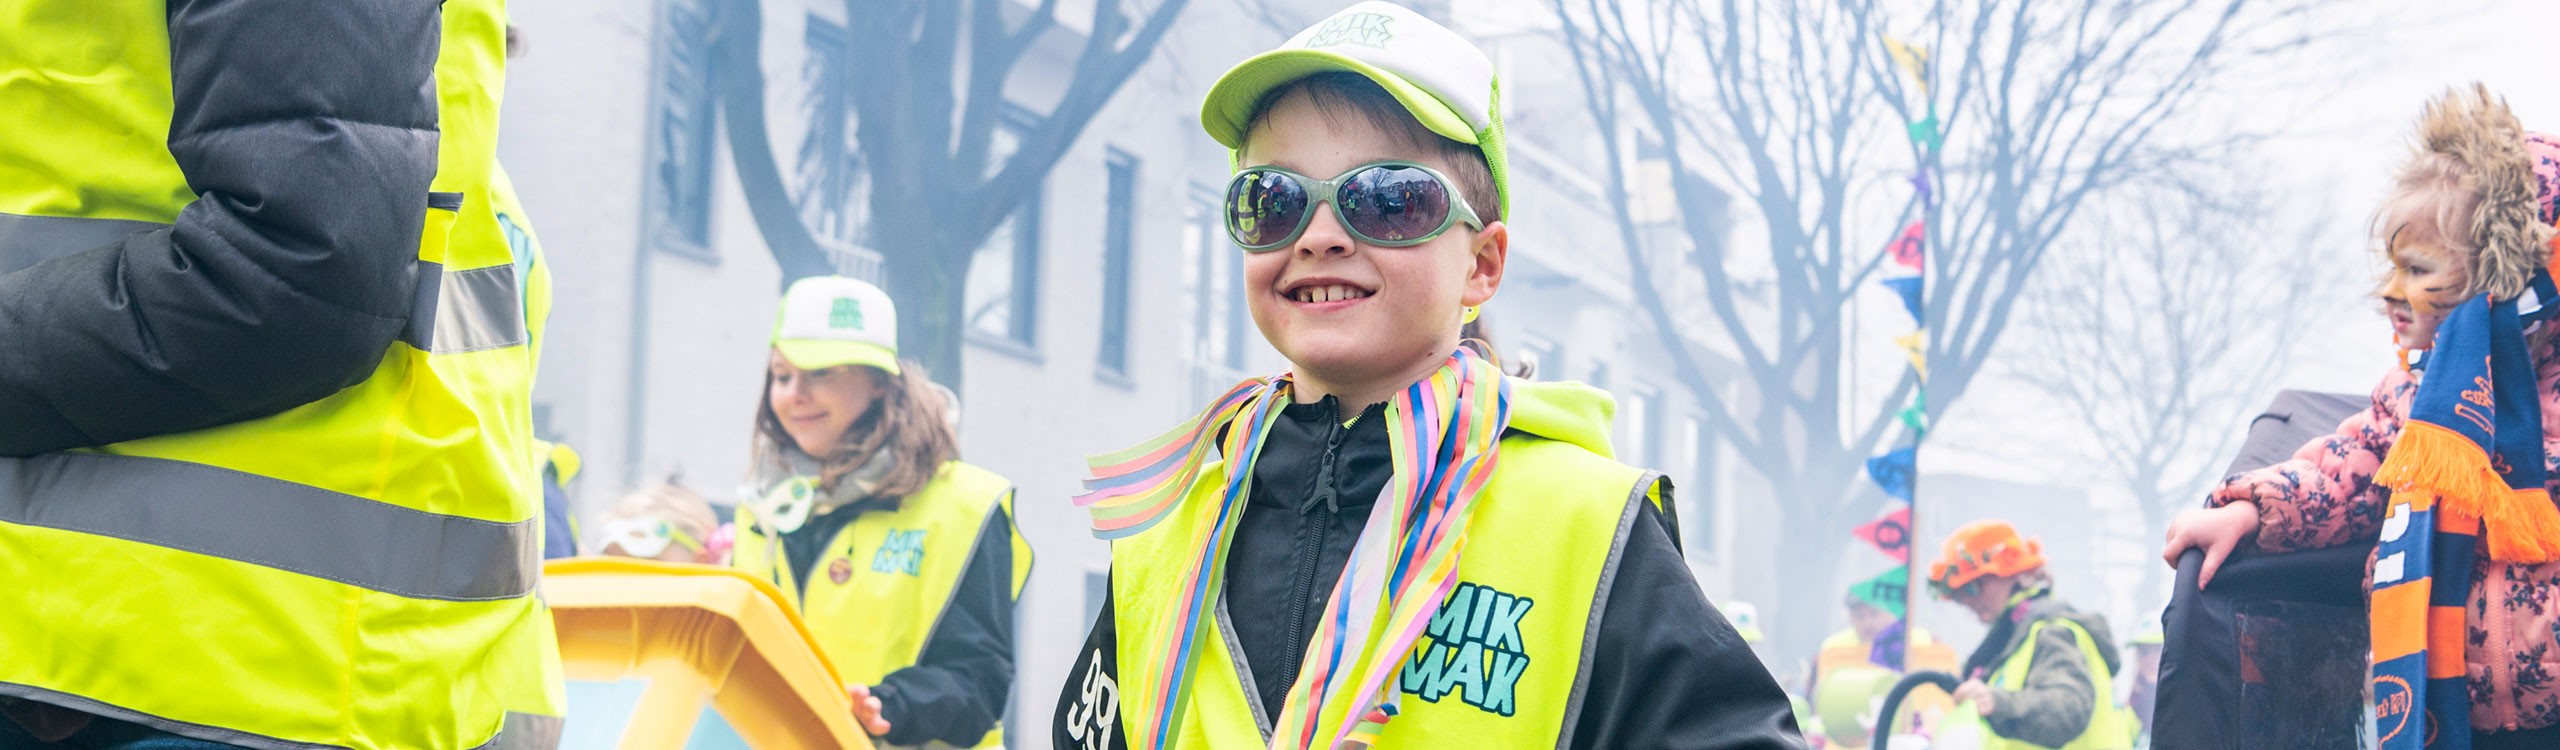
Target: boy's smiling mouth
[1324,293]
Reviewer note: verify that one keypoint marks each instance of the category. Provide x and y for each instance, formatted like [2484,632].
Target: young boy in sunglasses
[1399,547]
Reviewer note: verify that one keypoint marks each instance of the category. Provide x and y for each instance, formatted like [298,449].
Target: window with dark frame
[1118,231]
[1642,415]
[832,182]
[680,157]
[1212,272]
[1002,293]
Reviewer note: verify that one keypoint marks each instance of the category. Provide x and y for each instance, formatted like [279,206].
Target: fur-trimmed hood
[2516,175]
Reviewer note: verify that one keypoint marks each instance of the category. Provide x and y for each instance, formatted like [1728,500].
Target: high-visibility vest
[881,585]
[1498,666]
[358,571]
[2111,727]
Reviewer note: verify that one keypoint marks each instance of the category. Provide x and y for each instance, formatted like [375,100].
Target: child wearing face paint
[904,561]
[2456,450]
[1392,544]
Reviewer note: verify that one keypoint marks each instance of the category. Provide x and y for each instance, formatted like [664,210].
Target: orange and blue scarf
[2466,476]
[1443,432]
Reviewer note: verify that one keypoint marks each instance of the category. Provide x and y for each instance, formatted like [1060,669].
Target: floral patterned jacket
[2324,496]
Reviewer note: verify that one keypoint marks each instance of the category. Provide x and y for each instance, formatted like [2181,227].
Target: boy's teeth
[1329,293]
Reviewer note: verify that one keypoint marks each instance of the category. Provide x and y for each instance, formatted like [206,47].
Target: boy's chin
[1346,361]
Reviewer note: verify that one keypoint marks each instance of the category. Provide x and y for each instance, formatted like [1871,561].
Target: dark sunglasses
[1388,204]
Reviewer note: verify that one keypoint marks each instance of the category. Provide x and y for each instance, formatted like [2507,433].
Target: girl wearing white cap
[904,561]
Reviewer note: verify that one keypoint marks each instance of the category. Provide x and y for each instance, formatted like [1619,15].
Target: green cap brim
[1229,107]
[819,354]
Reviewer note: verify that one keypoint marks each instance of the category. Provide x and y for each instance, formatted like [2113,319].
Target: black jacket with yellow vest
[913,596]
[265,462]
[1658,665]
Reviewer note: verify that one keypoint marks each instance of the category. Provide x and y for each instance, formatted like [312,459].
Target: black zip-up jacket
[1667,671]
[957,688]
[308,134]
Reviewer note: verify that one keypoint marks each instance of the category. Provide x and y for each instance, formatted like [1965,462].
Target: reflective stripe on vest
[362,565]
[1501,664]
[907,561]
[269,522]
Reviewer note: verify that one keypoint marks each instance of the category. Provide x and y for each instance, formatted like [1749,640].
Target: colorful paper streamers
[1893,472]
[1890,534]
[1134,489]
[1442,435]
[1131,490]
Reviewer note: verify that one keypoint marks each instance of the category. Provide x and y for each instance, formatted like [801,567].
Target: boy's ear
[1490,251]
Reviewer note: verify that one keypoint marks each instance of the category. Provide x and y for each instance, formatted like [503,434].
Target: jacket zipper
[1302,595]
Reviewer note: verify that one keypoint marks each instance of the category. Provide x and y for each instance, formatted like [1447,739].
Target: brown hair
[1334,91]
[906,418]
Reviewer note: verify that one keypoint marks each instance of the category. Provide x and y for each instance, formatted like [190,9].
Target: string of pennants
[1896,471]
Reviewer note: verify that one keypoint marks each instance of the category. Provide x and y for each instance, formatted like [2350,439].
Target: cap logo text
[1365,29]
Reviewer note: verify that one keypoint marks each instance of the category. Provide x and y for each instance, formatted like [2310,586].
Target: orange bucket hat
[1982,548]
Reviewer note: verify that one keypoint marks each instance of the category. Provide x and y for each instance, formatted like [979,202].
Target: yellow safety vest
[882,584]
[357,571]
[2111,727]
[1499,666]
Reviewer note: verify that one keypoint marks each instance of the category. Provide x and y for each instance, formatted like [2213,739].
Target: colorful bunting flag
[1891,535]
[1920,184]
[1892,471]
[1910,248]
[1916,416]
[1925,132]
[1909,289]
[1914,61]
[1915,346]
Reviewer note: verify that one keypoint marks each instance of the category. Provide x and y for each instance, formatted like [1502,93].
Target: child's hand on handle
[2215,530]
[866,710]
[1976,693]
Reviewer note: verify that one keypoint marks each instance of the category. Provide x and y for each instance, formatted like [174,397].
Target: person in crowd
[1402,547]
[265,452]
[665,522]
[904,560]
[2456,444]
[2043,677]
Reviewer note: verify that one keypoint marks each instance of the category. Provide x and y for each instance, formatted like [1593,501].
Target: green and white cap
[1445,81]
[830,321]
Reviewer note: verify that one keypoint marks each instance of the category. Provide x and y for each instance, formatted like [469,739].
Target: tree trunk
[1808,559]
[930,289]
[741,89]
[2154,593]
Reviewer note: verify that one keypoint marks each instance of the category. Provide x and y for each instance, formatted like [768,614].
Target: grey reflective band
[523,731]
[264,521]
[466,311]
[29,240]
[92,707]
